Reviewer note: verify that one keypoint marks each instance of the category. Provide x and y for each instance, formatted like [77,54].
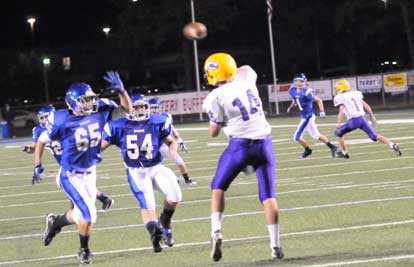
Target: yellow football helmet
[220,67]
[342,86]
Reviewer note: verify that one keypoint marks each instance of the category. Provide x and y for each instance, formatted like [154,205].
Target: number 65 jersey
[139,141]
[80,136]
[237,106]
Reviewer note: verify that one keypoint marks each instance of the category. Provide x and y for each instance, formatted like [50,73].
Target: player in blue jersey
[236,107]
[155,106]
[140,136]
[303,97]
[79,129]
[55,148]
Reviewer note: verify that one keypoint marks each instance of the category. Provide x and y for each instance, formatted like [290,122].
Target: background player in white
[155,105]
[303,97]
[79,129]
[236,107]
[140,136]
[351,104]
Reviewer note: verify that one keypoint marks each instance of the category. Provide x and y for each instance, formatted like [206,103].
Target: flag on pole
[269,9]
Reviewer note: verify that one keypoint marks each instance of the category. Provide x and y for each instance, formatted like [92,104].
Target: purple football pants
[357,123]
[242,152]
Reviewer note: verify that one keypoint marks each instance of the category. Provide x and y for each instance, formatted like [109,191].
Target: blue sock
[151,226]
[84,240]
[101,197]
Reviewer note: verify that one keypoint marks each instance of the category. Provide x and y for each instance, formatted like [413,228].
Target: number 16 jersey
[237,106]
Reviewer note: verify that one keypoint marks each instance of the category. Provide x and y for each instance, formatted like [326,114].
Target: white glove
[322,114]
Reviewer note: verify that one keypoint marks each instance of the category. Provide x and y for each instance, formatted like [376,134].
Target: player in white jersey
[236,107]
[351,104]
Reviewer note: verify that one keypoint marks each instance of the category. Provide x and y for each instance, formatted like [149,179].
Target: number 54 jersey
[139,141]
[237,106]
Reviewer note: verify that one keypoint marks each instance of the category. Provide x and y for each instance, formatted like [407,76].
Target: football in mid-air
[195,31]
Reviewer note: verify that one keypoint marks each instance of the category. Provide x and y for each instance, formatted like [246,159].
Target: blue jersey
[304,100]
[139,141]
[54,146]
[80,136]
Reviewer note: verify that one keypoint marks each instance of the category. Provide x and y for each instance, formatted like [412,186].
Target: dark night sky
[372,32]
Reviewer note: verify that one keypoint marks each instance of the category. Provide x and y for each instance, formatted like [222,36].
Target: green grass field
[334,212]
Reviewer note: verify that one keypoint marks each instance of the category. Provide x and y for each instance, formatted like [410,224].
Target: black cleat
[306,153]
[277,253]
[216,241]
[167,237]
[397,150]
[343,155]
[84,256]
[50,231]
[190,182]
[156,238]
[107,204]
[333,151]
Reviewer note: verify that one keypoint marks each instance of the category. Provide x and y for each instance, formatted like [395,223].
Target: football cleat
[84,256]
[107,204]
[156,239]
[277,253]
[397,150]
[343,155]
[50,231]
[333,151]
[216,241]
[306,153]
[190,182]
[167,237]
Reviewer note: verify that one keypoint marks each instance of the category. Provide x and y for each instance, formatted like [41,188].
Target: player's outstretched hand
[289,109]
[38,169]
[115,82]
[322,114]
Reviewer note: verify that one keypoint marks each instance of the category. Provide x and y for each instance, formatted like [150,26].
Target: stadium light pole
[46,64]
[31,21]
[197,73]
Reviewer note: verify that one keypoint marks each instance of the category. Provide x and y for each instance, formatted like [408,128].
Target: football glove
[183,147]
[112,77]
[38,169]
[322,114]
[27,149]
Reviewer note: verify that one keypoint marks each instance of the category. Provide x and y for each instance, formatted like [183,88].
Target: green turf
[332,210]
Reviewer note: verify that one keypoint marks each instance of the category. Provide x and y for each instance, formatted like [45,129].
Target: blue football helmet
[155,105]
[140,108]
[44,113]
[299,80]
[82,99]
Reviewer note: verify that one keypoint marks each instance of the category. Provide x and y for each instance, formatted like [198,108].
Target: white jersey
[237,106]
[352,101]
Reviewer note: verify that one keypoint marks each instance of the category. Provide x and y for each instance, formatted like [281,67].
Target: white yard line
[321,231]
[228,215]
[371,260]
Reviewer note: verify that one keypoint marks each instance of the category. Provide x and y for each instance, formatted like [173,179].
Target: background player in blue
[155,106]
[140,136]
[79,129]
[303,97]
[236,107]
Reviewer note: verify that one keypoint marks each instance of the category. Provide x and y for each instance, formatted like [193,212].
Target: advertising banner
[369,84]
[183,103]
[395,83]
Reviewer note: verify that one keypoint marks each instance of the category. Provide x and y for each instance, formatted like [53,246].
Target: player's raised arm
[112,77]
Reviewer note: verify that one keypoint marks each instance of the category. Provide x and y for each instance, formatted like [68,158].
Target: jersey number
[254,103]
[88,137]
[355,103]
[134,149]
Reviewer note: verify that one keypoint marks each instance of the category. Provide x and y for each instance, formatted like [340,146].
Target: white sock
[216,220]
[274,235]
[391,145]
[344,152]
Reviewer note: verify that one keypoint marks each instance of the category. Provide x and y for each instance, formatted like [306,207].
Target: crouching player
[351,104]
[140,136]
[236,106]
